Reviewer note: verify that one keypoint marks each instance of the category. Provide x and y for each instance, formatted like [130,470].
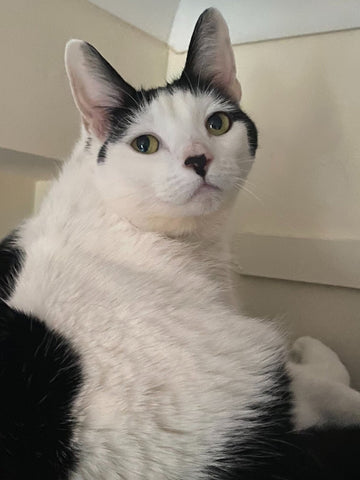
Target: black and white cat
[119,358]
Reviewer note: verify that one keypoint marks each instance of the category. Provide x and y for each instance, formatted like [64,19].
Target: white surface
[172,21]
[154,17]
[313,260]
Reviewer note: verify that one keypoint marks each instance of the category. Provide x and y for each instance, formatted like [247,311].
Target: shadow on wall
[331,314]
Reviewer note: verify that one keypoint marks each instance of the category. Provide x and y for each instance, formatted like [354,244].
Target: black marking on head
[11,257]
[187,82]
[40,377]
[102,153]
[252,133]
[121,117]
[88,144]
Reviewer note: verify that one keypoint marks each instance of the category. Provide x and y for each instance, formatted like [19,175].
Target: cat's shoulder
[11,257]
[40,377]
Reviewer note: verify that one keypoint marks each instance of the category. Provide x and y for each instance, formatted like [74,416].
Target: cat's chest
[109,275]
[160,355]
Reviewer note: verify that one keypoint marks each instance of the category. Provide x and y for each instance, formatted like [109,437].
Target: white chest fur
[168,368]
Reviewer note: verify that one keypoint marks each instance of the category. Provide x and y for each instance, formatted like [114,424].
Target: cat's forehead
[168,108]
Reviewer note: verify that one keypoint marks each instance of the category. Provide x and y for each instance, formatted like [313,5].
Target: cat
[120,356]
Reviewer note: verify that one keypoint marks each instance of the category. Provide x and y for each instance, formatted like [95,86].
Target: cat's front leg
[321,387]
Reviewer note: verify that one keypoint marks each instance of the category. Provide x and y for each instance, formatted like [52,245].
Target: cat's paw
[313,356]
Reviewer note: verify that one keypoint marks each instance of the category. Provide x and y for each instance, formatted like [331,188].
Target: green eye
[218,123]
[145,144]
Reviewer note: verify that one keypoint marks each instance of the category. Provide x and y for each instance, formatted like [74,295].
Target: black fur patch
[102,153]
[272,451]
[88,144]
[11,258]
[40,376]
[121,117]
[128,102]
[249,452]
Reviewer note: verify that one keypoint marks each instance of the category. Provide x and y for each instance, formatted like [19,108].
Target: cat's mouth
[204,188]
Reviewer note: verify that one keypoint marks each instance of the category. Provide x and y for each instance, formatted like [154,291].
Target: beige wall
[20,173]
[330,314]
[15,203]
[303,94]
[37,114]
[36,110]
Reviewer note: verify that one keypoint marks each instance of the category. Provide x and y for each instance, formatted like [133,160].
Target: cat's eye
[218,123]
[145,144]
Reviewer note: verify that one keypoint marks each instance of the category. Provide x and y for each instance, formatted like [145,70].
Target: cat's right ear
[95,85]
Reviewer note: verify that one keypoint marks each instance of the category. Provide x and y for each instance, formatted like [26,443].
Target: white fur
[169,369]
[321,386]
[125,259]
[159,185]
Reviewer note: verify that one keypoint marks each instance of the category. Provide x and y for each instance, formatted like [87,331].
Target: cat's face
[177,151]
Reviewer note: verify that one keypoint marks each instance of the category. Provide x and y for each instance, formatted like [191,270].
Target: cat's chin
[206,199]
[205,189]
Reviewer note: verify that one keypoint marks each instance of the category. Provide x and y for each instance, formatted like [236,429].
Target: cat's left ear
[210,56]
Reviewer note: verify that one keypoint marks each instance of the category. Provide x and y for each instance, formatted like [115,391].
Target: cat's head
[171,155]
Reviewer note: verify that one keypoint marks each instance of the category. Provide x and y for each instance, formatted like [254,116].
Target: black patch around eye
[122,117]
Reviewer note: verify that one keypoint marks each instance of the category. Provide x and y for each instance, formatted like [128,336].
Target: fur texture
[122,270]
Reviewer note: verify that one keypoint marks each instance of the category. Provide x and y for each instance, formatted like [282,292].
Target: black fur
[88,144]
[102,153]
[131,101]
[121,117]
[40,376]
[272,451]
[11,257]
[39,379]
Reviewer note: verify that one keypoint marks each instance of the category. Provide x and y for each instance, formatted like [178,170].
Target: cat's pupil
[143,143]
[215,122]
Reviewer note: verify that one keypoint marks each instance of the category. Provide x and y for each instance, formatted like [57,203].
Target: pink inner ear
[226,76]
[92,98]
[92,91]
[225,66]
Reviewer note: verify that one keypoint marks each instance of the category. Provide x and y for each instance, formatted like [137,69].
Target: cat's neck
[73,207]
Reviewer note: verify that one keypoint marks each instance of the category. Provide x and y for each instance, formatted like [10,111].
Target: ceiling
[172,21]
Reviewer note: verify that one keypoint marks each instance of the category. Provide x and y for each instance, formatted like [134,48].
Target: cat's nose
[199,163]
